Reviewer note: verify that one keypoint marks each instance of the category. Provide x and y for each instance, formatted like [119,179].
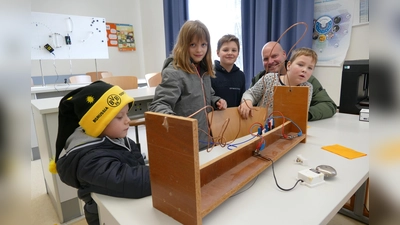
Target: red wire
[256,123]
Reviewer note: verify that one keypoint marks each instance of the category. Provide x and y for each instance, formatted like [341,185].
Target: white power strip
[311,177]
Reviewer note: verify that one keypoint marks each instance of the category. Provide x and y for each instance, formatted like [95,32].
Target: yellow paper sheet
[343,151]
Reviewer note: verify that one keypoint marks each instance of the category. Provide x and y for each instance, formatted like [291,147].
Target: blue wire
[230,145]
[236,144]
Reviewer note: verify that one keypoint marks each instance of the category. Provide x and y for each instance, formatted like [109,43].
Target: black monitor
[354,92]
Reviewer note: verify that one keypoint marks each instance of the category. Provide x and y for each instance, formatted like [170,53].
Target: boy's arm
[322,106]
[109,174]
[256,92]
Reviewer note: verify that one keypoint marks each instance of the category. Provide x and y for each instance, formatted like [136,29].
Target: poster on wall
[62,36]
[333,21]
[112,38]
[126,39]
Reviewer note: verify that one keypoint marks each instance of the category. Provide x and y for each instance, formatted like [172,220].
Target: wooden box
[188,191]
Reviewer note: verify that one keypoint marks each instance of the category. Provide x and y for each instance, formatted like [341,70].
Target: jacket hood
[218,67]
[77,138]
[167,62]
[78,143]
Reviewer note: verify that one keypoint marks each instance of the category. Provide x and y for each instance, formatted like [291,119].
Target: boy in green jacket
[321,107]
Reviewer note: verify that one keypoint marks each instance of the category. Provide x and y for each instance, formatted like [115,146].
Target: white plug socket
[301,160]
[311,177]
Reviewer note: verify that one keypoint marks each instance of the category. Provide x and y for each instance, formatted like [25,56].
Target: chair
[106,74]
[127,82]
[80,79]
[95,75]
[153,79]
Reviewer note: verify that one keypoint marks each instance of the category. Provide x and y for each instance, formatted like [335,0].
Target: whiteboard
[87,35]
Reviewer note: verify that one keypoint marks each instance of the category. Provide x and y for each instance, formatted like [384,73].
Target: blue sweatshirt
[228,85]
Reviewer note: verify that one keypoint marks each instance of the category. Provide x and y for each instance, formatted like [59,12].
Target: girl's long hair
[192,30]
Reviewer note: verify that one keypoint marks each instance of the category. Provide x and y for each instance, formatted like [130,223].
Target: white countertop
[65,87]
[56,87]
[263,202]
[50,105]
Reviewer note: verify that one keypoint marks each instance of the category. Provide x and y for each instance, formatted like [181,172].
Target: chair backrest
[95,75]
[153,79]
[236,126]
[105,74]
[124,82]
[79,79]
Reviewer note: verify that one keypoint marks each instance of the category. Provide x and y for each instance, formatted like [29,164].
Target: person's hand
[245,109]
[221,104]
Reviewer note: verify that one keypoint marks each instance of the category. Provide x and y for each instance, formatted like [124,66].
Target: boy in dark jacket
[97,156]
[229,82]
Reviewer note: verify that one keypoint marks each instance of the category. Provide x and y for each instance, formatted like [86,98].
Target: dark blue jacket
[228,85]
[107,166]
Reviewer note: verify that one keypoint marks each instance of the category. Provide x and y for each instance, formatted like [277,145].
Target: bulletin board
[69,37]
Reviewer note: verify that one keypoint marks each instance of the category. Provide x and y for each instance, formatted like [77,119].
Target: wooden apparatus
[187,191]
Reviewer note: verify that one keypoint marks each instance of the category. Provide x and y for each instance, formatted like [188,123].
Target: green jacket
[321,107]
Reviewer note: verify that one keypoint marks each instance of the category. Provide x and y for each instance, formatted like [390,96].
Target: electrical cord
[238,193]
[273,172]
[220,139]
[55,70]
[205,106]
[277,117]
[286,136]
[208,125]
[231,146]
[283,122]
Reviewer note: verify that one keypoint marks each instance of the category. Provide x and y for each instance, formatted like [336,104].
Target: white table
[45,114]
[53,90]
[264,203]
[142,82]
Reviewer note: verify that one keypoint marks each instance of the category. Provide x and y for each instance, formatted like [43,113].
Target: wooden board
[174,172]
[235,126]
[293,103]
[186,191]
[225,175]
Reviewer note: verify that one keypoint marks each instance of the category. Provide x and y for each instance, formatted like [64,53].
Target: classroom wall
[331,77]
[147,19]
